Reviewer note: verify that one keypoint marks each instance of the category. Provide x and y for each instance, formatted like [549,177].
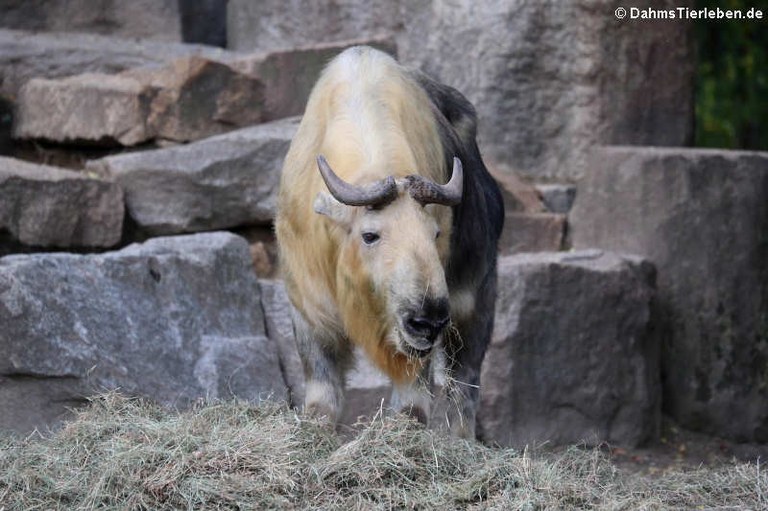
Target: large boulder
[701,216]
[532,232]
[547,87]
[26,55]
[270,25]
[220,182]
[190,98]
[173,319]
[46,206]
[572,357]
[154,19]
[528,224]
[288,76]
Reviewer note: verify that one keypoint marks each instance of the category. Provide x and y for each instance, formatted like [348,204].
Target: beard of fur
[366,321]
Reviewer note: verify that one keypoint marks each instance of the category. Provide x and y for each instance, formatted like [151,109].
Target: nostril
[426,327]
[419,325]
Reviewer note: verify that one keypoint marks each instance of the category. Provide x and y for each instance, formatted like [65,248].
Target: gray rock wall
[216,183]
[572,357]
[270,25]
[152,19]
[701,216]
[45,206]
[25,55]
[549,79]
[173,319]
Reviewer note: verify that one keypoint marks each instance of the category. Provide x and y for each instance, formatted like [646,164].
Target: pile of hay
[122,453]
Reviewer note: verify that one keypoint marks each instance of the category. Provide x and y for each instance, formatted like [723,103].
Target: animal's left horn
[375,194]
[428,192]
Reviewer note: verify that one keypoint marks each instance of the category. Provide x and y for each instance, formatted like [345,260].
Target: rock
[546,89]
[528,227]
[271,25]
[532,232]
[518,195]
[51,207]
[558,198]
[173,319]
[289,75]
[87,108]
[189,99]
[278,312]
[136,19]
[571,358]
[701,216]
[216,183]
[26,55]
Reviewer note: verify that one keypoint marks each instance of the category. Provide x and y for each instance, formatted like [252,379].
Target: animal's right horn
[375,194]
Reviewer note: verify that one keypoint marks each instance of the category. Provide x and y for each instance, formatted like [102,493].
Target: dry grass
[127,454]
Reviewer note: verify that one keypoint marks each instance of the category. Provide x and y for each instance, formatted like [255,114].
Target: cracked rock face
[571,358]
[173,319]
[47,206]
[216,183]
[188,99]
[701,216]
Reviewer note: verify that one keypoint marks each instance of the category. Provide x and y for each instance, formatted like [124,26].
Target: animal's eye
[438,233]
[369,238]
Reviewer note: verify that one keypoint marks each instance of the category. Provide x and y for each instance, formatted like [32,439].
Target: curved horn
[428,192]
[375,194]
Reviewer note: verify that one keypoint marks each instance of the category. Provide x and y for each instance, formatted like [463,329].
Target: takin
[376,252]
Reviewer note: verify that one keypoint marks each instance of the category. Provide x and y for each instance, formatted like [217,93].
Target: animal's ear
[326,204]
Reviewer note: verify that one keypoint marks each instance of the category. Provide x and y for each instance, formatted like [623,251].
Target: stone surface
[220,182]
[518,195]
[189,99]
[87,108]
[173,319]
[26,55]
[135,19]
[558,198]
[51,207]
[528,226]
[278,313]
[701,216]
[546,88]
[270,25]
[571,357]
[532,232]
[289,75]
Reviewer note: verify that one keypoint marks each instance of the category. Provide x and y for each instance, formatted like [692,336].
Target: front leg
[326,358]
[414,399]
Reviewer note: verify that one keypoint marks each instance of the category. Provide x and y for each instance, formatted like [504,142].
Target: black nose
[428,321]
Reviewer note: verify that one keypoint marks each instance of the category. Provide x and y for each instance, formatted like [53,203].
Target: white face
[399,246]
